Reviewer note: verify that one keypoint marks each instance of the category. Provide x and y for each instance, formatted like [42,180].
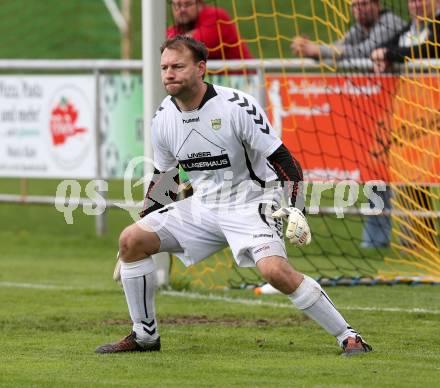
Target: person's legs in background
[377,229]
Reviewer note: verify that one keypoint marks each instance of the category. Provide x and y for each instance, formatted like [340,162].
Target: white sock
[315,303]
[139,282]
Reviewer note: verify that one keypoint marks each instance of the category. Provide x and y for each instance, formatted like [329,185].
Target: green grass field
[58,302]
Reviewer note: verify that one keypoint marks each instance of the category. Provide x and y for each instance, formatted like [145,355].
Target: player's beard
[174,89]
[181,90]
[184,27]
[367,23]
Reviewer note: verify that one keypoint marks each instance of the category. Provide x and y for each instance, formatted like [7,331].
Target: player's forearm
[289,171]
[162,190]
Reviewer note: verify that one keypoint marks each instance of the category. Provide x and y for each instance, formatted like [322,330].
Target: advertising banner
[359,127]
[331,123]
[47,126]
[121,123]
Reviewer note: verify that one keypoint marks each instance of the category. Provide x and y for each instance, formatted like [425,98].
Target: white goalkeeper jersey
[222,145]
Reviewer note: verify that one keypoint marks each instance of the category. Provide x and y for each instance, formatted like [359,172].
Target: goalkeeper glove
[117,271]
[298,230]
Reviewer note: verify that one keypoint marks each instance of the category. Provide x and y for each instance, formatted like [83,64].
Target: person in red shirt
[210,25]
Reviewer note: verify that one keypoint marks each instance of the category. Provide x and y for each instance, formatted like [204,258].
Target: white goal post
[153,34]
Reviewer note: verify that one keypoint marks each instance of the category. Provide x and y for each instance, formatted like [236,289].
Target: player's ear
[202,68]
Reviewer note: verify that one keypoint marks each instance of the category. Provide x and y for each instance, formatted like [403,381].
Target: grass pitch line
[220,298]
[36,286]
[258,302]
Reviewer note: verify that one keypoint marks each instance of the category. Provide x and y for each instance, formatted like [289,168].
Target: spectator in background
[412,40]
[210,25]
[420,38]
[373,26]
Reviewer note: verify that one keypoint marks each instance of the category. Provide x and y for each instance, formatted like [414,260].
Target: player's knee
[125,242]
[131,245]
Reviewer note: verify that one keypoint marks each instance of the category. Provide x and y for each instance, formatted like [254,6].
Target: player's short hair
[198,49]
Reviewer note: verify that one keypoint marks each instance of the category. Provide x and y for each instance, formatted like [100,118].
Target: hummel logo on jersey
[193,120]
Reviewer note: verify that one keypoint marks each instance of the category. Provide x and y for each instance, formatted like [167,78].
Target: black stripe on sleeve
[252,174]
[289,171]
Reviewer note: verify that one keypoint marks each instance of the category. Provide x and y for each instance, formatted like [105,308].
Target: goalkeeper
[239,170]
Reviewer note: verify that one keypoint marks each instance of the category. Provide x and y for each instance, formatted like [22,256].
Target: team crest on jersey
[216,124]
